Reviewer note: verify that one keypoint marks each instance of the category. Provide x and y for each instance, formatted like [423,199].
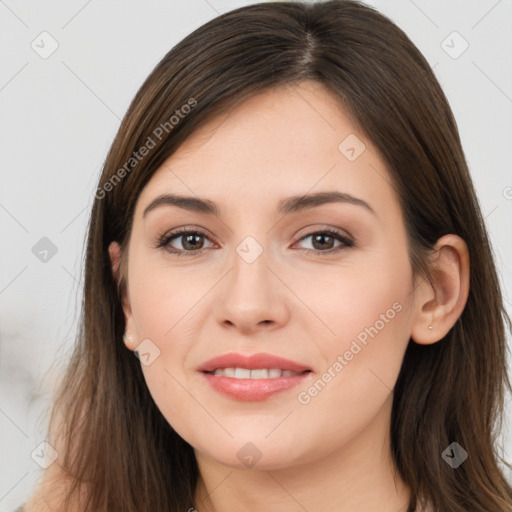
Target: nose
[252,297]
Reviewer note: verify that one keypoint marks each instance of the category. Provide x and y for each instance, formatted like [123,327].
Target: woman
[286,236]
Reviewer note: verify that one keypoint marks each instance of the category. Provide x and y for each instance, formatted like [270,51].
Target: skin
[333,452]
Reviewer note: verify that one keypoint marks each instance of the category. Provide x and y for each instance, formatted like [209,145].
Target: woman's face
[324,283]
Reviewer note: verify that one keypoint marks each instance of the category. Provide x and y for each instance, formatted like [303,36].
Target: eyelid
[346,241]
[321,229]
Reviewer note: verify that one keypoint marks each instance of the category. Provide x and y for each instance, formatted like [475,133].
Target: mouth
[253,385]
[252,377]
[254,374]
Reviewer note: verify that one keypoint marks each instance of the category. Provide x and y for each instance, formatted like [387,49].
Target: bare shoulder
[51,490]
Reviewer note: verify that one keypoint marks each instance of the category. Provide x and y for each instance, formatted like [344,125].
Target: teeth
[228,372]
[245,373]
[259,374]
[242,373]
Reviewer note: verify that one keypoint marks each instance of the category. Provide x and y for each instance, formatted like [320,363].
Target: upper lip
[251,362]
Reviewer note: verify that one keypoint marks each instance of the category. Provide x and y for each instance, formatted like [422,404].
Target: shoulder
[55,482]
[51,493]
[45,498]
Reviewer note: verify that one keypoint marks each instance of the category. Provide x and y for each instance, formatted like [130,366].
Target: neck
[357,477]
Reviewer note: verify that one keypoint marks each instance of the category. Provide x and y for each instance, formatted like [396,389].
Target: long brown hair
[115,444]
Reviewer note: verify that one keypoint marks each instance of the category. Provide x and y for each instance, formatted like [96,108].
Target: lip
[253,390]
[251,362]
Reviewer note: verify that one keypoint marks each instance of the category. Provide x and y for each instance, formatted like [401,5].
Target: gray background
[60,114]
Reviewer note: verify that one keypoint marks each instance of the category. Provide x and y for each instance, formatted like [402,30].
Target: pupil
[321,238]
[189,239]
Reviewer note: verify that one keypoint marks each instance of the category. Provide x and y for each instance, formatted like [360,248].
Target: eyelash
[165,239]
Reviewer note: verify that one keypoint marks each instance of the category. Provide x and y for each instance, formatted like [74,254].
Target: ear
[440,304]
[114,251]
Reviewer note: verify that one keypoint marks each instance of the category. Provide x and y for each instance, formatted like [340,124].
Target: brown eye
[191,242]
[324,241]
[184,241]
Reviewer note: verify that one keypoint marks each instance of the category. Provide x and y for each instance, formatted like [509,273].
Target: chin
[258,455]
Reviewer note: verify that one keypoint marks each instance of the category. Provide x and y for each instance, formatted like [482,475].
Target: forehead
[282,142]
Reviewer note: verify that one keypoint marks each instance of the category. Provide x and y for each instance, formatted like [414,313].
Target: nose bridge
[251,295]
[250,275]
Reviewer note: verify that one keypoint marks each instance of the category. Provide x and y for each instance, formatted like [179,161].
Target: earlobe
[440,304]
[129,340]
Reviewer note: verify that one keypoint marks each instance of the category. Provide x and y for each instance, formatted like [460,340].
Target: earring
[430,327]
[127,336]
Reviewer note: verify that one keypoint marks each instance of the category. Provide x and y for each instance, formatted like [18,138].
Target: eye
[190,240]
[323,241]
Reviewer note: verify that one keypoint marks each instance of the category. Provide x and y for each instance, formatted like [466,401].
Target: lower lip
[253,390]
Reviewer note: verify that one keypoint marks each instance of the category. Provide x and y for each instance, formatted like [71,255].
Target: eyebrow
[285,206]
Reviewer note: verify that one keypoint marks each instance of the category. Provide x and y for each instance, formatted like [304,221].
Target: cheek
[365,331]
[165,302]
[363,303]
[361,361]
[163,297]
